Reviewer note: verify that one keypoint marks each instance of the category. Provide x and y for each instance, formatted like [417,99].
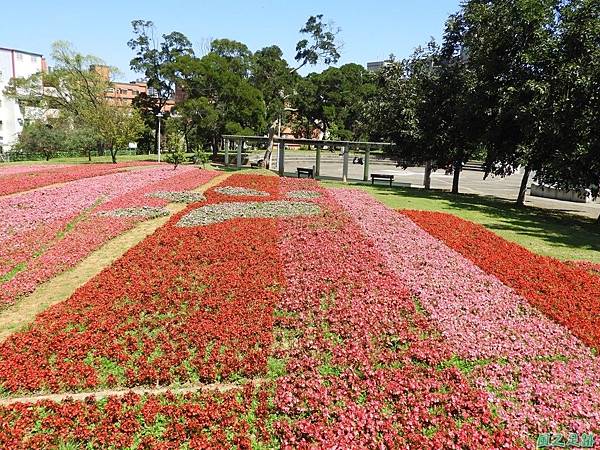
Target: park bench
[257,164]
[380,176]
[305,171]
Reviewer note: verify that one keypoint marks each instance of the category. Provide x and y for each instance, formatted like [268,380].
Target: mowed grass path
[546,232]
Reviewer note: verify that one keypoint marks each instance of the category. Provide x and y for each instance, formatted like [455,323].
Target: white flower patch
[140,211]
[178,197]
[237,191]
[220,212]
[303,194]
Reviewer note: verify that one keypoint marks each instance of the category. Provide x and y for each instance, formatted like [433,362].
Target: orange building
[125,93]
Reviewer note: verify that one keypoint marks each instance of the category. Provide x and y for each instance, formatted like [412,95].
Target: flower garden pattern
[339,323]
[47,231]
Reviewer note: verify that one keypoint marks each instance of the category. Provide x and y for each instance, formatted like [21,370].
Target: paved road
[470,182]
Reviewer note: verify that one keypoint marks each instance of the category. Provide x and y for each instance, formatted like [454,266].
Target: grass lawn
[547,232]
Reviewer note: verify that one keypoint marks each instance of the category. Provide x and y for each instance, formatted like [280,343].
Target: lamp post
[159,116]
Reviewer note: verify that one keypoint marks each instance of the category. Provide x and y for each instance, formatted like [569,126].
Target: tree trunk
[598,220]
[523,187]
[456,176]
[113,155]
[269,150]
[89,154]
[214,147]
[427,177]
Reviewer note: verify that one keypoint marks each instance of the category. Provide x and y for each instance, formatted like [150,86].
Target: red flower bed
[591,267]
[186,304]
[19,182]
[569,295]
[200,420]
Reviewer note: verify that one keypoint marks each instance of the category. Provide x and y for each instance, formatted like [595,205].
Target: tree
[41,138]
[175,146]
[510,46]
[271,74]
[197,120]
[236,53]
[158,63]
[224,100]
[332,101]
[81,139]
[320,46]
[72,85]
[116,126]
[425,106]
[75,93]
[572,130]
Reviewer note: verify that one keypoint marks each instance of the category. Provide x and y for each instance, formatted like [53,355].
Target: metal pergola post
[226,149]
[318,162]
[346,152]
[238,162]
[280,164]
[367,161]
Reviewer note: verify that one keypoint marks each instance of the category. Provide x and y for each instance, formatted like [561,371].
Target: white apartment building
[14,64]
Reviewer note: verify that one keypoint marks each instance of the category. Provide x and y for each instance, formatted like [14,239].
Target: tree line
[515,83]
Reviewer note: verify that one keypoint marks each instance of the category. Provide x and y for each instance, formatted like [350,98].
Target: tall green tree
[319,45]
[225,99]
[74,94]
[511,47]
[332,101]
[571,130]
[425,105]
[158,62]
[72,85]
[271,75]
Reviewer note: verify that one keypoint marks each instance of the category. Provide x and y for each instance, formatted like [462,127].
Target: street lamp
[158,116]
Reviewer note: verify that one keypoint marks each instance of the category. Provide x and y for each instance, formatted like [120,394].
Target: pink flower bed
[480,316]
[32,220]
[539,376]
[28,210]
[20,181]
[363,364]
[86,237]
[49,254]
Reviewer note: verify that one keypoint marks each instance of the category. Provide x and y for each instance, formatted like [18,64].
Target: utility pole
[159,116]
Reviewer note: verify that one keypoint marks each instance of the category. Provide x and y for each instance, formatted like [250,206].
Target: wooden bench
[380,176]
[305,171]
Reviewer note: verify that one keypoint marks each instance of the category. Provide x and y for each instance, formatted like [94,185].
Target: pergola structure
[345,146]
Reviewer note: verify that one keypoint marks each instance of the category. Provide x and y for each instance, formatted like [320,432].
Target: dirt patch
[62,286]
[190,388]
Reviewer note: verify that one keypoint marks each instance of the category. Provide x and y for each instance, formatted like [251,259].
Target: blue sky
[370,30]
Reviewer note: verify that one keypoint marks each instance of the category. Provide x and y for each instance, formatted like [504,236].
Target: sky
[370,29]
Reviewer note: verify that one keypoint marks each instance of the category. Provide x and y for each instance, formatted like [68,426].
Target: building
[376,65]
[125,93]
[14,64]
